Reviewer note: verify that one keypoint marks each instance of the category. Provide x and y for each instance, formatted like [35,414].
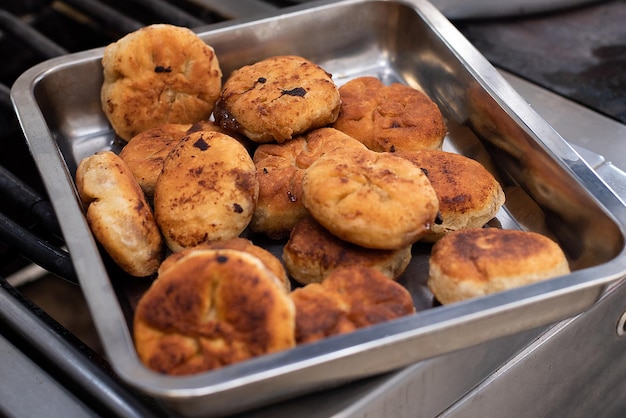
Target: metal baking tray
[549,187]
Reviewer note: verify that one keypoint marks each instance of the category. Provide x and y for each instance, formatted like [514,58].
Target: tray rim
[50,161]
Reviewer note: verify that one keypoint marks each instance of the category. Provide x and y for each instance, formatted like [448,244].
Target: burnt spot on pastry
[460,202]
[298,91]
[244,180]
[201,144]
[140,206]
[223,117]
[162,69]
[237,208]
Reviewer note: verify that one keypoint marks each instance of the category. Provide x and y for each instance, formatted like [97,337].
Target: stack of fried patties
[347,179]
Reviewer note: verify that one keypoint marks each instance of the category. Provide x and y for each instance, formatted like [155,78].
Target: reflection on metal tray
[550,189]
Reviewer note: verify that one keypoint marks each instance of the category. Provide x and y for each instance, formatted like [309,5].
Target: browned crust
[469,195]
[389,118]
[214,308]
[475,262]
[144,153]
[375,200]
[158,74]
[277,98]
[312,253]
[280,169]
[207,190]
[348,299]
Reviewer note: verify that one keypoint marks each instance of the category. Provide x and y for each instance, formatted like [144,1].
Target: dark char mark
[201,144]
[298,91]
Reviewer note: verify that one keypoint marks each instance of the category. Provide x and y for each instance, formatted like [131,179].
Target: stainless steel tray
[550,189]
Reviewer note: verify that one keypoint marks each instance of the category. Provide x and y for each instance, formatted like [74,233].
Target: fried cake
[210,309]
[118,213]
[277,98]
[469,195]
[371,199]
[207,190]
[312,253]
[475,262]
[389,118]
[158,74]
[348,299]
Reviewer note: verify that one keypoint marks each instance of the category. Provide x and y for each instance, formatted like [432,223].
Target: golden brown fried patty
[280,168]
[277,99]
[206,192]
[312,253]
[371,199]
[270,261]
[469,195]
[476,262]
[389,118]
[144,153]
[158,74]
[211,309]
[348,299]
[118,214]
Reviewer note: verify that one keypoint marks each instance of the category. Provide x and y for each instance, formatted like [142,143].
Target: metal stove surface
[579,53]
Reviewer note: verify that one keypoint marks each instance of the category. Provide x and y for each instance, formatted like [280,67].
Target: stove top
[579,53]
